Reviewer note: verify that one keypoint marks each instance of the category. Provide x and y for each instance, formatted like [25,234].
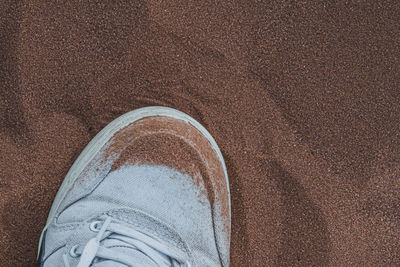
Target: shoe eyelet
[95,226]
[73,252]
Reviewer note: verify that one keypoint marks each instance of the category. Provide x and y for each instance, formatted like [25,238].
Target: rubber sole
[97,143]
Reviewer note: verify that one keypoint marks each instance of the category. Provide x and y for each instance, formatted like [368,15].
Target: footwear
[151,189]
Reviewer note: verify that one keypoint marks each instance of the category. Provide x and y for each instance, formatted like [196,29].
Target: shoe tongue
[148,225]
[138,257]
[116,264]
[109,264]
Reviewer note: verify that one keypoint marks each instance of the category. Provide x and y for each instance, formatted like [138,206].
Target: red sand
[303,98]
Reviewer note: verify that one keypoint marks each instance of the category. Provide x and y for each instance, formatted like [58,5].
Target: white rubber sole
[97,143]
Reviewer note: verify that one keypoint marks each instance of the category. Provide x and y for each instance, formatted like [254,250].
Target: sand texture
[303,98]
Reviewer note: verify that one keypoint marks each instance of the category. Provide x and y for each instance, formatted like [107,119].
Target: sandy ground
[303,98]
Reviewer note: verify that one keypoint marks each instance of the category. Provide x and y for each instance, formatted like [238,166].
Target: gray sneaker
[151,189]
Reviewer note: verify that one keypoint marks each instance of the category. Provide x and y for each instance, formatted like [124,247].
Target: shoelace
[159,253]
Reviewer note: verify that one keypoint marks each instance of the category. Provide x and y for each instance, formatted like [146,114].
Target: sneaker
[151,189]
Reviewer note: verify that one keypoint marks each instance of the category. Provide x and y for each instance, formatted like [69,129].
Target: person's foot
[151,189]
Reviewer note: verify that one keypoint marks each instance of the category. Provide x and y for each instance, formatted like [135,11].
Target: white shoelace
[160,254]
